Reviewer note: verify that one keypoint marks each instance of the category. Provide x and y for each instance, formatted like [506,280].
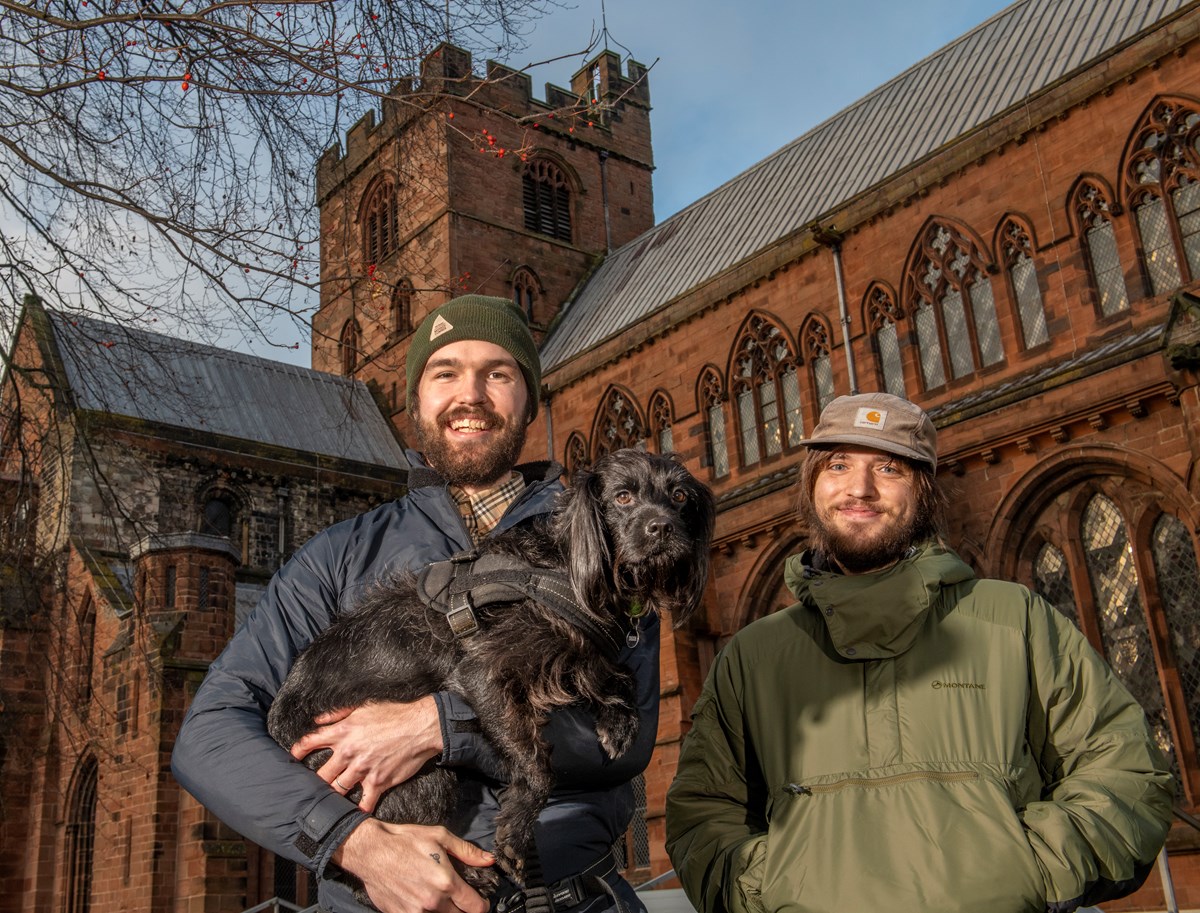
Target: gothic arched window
[379,222]
[953,306]
[1179,592]
[547,198]
[767,390]
[348,347]
[401,309]
[576,456]
[1053,579]
[660,422]
[81,838]
[1100,243]
[1164,165]
[1120,612]
[1017,249]
[525,287]
[618,423]
[883,316]
[712,405]
[815,336]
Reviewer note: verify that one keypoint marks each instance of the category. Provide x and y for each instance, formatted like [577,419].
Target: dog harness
[468,581]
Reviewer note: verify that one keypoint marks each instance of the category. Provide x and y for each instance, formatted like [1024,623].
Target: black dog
[553,601]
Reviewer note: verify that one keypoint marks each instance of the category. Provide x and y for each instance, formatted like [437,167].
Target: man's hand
[377,745]
[406,867]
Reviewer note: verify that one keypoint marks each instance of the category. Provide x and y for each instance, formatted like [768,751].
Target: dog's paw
[616,732]
[510,861]
[483,880]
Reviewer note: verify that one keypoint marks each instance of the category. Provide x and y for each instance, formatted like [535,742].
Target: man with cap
[473,386]
[908,737]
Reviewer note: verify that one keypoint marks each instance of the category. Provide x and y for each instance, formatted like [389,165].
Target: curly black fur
[633,531]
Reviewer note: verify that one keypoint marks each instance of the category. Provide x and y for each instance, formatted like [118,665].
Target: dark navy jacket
[225,758]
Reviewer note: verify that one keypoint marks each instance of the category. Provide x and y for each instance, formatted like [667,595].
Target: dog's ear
[701,518]
[581,528]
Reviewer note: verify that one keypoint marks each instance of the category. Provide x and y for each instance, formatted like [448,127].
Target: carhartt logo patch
[440,326]
[871,418]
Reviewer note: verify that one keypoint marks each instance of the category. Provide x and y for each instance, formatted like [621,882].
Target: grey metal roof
[996,65]
[181,384]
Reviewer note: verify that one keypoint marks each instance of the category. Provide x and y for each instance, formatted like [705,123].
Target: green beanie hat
[482,318]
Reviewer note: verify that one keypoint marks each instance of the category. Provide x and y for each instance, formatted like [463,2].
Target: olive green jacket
[914,740]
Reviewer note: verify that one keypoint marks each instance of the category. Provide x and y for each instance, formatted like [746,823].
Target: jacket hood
[877,615]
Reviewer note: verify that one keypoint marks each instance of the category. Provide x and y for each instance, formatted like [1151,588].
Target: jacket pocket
[901,839]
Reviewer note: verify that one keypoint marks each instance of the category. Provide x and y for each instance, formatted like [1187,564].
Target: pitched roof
[172,382]
[1015,54]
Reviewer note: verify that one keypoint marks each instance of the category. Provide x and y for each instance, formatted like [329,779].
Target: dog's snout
[660,527]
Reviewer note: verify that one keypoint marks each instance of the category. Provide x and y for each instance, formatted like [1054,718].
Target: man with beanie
[907,737]
[474,380]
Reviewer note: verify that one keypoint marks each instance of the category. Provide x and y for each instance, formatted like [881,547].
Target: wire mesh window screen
[1106,269]
[1124,633]
[1157,247]
[1179,591]
[1186,200]
[1053,579]
[1029,301]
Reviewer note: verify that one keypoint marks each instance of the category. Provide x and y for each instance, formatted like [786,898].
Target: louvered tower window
[547,199]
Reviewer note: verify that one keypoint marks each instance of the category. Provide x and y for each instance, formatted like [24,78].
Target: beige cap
[881,421]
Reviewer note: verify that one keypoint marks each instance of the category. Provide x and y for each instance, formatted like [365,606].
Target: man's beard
[467,463]
[857,554]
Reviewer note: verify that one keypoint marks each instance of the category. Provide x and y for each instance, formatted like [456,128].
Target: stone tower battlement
[600,93]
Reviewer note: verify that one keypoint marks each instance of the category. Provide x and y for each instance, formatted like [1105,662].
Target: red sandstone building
[1008,234]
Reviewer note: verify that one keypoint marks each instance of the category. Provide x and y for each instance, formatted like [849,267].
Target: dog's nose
[660,527]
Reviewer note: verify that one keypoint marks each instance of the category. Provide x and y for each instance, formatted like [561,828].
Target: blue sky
[733,82]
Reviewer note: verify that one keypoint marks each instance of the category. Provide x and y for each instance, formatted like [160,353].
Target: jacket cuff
[324,826]
[463,742]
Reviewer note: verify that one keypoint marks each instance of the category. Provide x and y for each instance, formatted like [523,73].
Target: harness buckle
[461,617]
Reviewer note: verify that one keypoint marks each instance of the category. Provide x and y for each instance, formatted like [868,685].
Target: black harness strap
[468,581]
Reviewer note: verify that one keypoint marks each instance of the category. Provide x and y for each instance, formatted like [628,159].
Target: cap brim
[865,440]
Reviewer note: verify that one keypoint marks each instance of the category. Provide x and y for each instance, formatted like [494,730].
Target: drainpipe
[604,200]
[546,401]
[832,238]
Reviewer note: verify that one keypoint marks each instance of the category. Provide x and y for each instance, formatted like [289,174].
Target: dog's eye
[679,496]
[624,498]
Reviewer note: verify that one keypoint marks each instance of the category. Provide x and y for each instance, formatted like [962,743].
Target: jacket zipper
[960,776]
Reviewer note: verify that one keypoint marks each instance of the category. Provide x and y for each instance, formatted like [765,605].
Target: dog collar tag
[634,635]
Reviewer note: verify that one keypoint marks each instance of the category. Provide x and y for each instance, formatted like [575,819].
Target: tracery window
[401,309]
[1022,276]
[576,457]
[955,312]
[660,422]
[1100,243]
[81,838]
[767,391]
[348,347]
[816,351]
[712,404]
[618,424]
[1052,577]
[379,222]
[524,291]
[1120,612]
[547,199]
[884,317]
[1164,164]
[1179,591]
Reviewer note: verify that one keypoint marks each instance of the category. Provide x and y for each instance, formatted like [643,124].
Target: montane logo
[974,686]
